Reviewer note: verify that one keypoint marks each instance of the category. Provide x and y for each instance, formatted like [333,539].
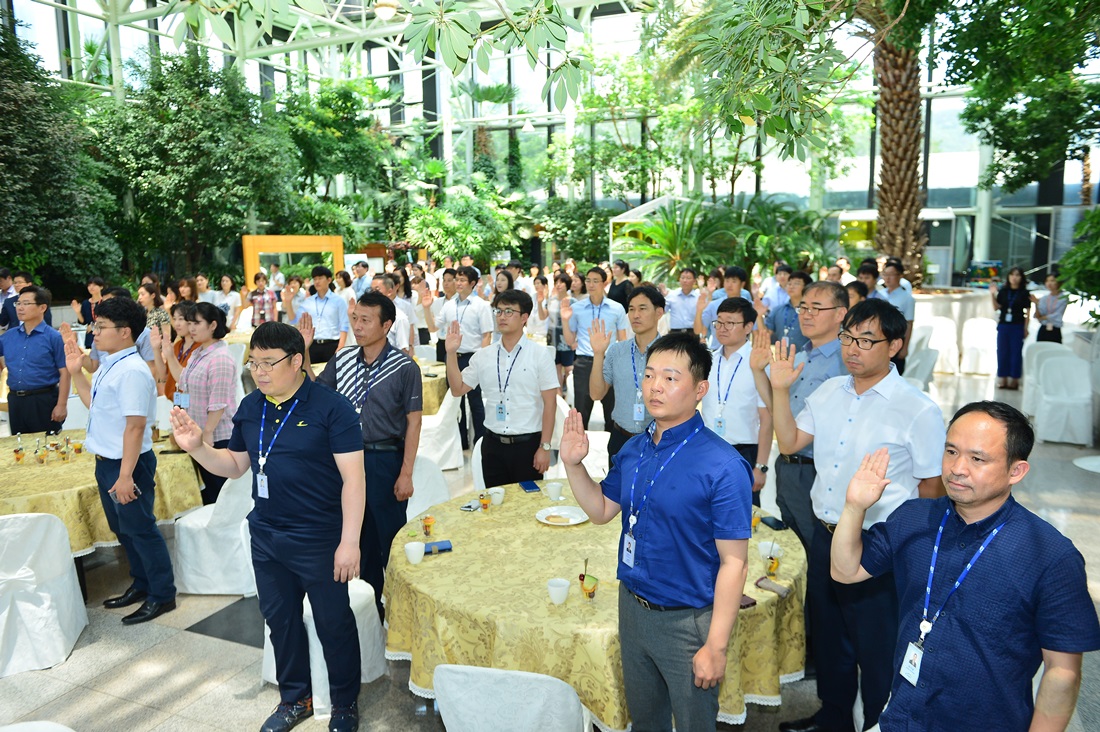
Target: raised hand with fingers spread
[867,485]
[784,373]
[574,440]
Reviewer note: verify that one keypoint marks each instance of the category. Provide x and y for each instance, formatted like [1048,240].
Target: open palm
[574,440]
[867,485]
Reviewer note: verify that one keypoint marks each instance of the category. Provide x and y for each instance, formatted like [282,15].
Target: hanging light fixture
[384,10]
[528,127]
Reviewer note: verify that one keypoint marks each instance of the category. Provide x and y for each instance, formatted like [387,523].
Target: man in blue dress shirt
[685,499]
[1005,590]
[576,329]
[680,304]
[329,315]
[34,355]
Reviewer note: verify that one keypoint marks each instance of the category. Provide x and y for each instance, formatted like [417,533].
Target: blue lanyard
[722,401]
[262,456]
[633,365]
[599,309]
[368,380]
[925,624]
[507,378]
[101,379]
[465,302]
[788,321]
[322,304]
[645,496]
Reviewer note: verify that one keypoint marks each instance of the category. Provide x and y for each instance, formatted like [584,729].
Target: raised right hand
[454,337]
[574,440]
[761,356]
[305,327]
[866,486]
[185,432]
[599,336]
[74,357]
[566,309]
[75,305]
[784,373]
[66,332]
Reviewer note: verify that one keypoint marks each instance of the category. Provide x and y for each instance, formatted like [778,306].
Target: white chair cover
[945,339]
[429,487]
[41,610]
[475,467]
[439,432]
[208,556]
[595,461]
[979,346]
[920,366]
[561,412]
[1064,411]
[1034,352]
[77,418]
[244,320]
[473,699]
[919,341]
[372,640]
[425,353]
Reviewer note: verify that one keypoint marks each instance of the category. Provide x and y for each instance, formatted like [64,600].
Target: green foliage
[680,234]
[1079,268]
[51,204]
[515,162]
[771,229]
[475,221]
[575,229]
[320,217]
[488,93]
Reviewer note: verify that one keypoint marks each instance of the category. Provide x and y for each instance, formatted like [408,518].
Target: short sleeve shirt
[384,392]
[624,369]
[681,308]
[475,319]
[34,360]
[1014,302]
[122,387]
[821,364]
[731,405]
[512,385]
[783,322]
[584,312]
[329,315]
[903,300]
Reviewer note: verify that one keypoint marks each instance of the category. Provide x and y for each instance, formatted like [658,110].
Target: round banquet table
[69,491]
[486,604]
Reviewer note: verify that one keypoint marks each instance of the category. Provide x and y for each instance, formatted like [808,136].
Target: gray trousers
[657,651]
[792,493]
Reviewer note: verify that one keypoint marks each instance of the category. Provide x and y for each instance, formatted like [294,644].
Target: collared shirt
[783,323]
[261,301]
[361,285]
[398,337]
[704,493]
[903,300]
[1053,308]
[846,426]
[122,387]
[278,281]
[733,397]
[144,349]
[624,369]
[211,297]
[512,385]
[681,308]
[437,313]
[407,307]
[1025,593]
[821,364]
[304,483]
[475,319]
[710,314]
[775,296]
[210,381]
[329,314]
[395,389]
[9,318]
[34,360]
[584,312]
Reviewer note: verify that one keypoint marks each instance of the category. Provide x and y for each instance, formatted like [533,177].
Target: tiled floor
[169,675]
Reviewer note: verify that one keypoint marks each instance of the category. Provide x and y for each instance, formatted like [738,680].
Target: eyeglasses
[593,281]
[804,308]
[505,313]
[724,324]
[864,344]
[264,366]
[97,328]
[25,304]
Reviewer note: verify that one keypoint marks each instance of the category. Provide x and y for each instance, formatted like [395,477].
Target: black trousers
[425,335]
[27,414]
[212,484]
[1054,335]
[900,363]
[750,452]
[854,630]
[477,408]
[582,370]
[383,517]
[322,352]
[503,464]
[619,437]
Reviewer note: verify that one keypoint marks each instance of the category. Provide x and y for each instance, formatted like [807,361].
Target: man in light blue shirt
[329,314]
[576,324]
[733,284]
[783,320]
[681,304]
[361,283]
[903,300]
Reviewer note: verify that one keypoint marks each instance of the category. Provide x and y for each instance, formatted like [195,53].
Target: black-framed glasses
[25,304]
[725,325]
[864,344]
[804,308]
[505,313]
[99,328]
[264,366]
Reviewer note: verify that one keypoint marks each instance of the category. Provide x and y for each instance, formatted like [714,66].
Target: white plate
[573,515]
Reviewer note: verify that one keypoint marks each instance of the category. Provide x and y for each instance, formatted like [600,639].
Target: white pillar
[983,221]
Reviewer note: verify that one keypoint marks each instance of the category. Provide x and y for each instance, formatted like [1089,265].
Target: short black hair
[514,297]
[211,314]
[687,344]
[41,294]
[468,272]
[868,269]
[889,318]
[23,275]
[184,308]
[386,279]
[740,306]
[274,336]
[738,272]
[1020,437]
[650,293]
[800,275]
[541,279]
[831,289]
[387,310]
[5,273]
[91,281]
[688,269]
[116,292]
[717,273]
[896,264]
[123,312]
[516,264]
[784,268]
[257,277]
[845,259]
[295,278]
[448,271]
[276,265]
[321,271]
[597,270]
[859,287]
[563,278]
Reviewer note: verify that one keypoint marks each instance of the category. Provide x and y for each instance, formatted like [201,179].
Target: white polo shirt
[730,405]
[399,332]
[122,387]
[512,385]
[475,319]
[846,426]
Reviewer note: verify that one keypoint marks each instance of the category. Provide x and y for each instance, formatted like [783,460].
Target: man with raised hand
[475,323]
[576,329]
[685,499]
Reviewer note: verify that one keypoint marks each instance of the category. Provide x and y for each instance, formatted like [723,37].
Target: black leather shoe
[148,611]
[809,724]
[129,597]
[344,719]
[287,715]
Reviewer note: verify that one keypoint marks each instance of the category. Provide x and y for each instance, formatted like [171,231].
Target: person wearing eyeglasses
[475,322]
[782,320]
[576,328]
[519,384]
[854,627]
[8,316]
[34,355]
[734,281]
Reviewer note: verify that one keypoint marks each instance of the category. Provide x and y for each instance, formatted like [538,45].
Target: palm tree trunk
[1086,178]
[900,232]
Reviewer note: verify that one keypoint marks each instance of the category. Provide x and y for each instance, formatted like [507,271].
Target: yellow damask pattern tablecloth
[433,375]
[69,491]
[485,604]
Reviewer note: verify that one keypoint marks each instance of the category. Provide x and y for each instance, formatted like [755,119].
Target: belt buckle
[643,602]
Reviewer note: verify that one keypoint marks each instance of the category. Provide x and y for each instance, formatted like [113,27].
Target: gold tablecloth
[69,491]
[433,375]
[485,604]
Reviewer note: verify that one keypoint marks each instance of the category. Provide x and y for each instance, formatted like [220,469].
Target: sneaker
[344,718]
[287,715]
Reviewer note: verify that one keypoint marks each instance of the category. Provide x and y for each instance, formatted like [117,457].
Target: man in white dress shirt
[403,333]
[854,627]
[732,408]
[521,280]
[519,383]
[329,314]
[433,307]
[475,322]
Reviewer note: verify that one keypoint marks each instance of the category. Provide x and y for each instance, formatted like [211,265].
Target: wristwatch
[545,446]
[762,468]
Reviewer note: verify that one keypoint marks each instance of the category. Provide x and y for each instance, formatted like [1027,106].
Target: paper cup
[496,495]
[558,589]
[414,552]
[553,491]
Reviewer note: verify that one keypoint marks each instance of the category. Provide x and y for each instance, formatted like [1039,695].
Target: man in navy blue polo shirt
[34,355]
[987,590]
[305,537]
[686,501]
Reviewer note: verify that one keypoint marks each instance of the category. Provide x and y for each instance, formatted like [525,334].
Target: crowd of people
[695,381]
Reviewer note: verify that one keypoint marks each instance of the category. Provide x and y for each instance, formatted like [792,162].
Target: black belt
[660,608]
[33,392]
[513,439]
[681,330]
[319,341]
[583,358]
[616,428]
[797,459]
[391,445]
[830,527]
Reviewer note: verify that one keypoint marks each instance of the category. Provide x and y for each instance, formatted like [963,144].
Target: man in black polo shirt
[384,386]
[305,537]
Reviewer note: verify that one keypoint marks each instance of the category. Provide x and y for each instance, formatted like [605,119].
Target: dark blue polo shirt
[33,359]
[304,484]
[1027,592]
[704,493]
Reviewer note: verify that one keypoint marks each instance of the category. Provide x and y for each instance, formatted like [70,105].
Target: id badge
[1050,327]
[182,399]
[910,663]
[1008,317]
[639,412]
[720,426]
[501,414]
[628,550]
[261,485]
